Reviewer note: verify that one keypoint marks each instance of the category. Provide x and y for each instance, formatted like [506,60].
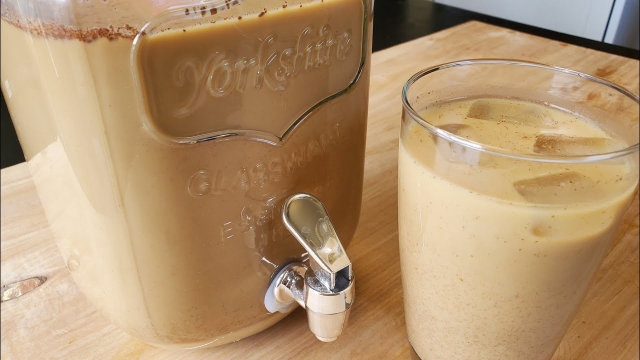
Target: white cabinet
[624,28]
[584,18]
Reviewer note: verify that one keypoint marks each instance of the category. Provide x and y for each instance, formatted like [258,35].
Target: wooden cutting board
[56,322]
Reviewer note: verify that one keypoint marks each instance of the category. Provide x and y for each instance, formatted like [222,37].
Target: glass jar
[164,136]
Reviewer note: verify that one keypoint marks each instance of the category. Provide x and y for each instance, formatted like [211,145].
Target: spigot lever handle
[307,219]
[326,287]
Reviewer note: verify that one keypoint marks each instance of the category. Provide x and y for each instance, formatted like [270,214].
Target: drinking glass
[513,178]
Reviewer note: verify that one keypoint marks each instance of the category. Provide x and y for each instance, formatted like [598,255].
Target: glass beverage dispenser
[196,160]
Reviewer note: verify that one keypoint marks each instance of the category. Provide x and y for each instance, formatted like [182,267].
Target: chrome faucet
[326,286]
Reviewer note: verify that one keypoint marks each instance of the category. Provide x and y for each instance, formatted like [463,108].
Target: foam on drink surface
[527,128]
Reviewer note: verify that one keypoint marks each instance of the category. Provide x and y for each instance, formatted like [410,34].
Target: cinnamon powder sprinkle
[37,27]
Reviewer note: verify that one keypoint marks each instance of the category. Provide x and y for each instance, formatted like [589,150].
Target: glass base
[414,354]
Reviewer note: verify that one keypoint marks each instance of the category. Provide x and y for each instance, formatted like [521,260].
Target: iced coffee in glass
[513,179]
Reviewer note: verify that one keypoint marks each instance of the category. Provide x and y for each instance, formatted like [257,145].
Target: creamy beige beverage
[162,166]
[497,253]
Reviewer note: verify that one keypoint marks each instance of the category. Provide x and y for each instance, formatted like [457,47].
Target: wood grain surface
[55,321]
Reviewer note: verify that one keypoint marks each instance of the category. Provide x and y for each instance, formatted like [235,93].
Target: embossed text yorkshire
[221,74]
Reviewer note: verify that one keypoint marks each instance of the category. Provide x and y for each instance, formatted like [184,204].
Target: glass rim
[494,150]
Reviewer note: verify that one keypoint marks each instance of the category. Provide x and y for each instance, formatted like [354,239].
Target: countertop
[55,321]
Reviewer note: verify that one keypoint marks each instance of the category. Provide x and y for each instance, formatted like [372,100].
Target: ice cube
[454,152]
[557,144]
[463,130]
[514,112]
[558,188]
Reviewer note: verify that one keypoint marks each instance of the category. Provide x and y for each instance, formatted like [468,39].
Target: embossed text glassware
[197,160]
[513,178]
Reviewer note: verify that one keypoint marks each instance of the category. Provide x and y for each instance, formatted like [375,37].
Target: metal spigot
[326,286]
